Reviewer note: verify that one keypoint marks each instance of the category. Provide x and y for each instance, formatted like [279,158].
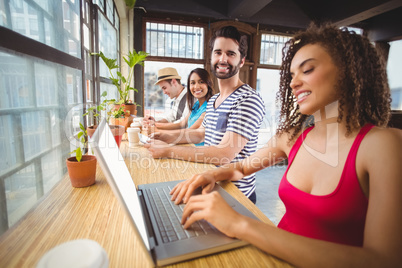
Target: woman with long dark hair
[199,91]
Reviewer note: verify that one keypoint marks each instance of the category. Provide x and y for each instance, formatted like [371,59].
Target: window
[268,81]
[394,67]
[54,23]
[170,40]
[35,97]
[43,92]
[167,45]
[271,48]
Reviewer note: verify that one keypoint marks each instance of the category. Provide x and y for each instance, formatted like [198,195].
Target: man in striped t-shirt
[231,124]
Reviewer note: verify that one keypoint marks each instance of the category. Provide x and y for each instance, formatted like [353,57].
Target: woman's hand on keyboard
[182,191]
[214,209]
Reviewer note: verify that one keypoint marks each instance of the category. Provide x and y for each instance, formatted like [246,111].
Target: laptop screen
[118,176]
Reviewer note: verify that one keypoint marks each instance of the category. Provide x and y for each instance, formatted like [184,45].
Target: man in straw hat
[232,120]
[169,81]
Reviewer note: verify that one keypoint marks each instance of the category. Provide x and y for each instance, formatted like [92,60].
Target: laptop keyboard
[168,216]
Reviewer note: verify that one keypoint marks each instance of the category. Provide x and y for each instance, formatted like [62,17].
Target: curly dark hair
[364,95]
[204,75]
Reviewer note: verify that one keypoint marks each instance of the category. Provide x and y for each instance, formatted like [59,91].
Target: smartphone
[144,139]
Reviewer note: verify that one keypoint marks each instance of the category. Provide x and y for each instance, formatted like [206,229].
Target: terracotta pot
[117,106]
[132,108]
[82,174]
[91,130]
[125,122]
[117,131]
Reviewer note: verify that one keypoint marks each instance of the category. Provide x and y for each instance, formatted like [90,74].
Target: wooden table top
[68,213]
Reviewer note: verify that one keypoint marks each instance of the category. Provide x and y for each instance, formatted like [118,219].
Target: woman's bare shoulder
[285,140]
[381,142]
[383,136]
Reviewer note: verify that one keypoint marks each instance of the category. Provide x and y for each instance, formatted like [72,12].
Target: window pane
[107,43]
[100,3]
[54,23]
[110,89]
[8,139]
[35,133]
[170,40]
[155,100]
[394,74]
[20,193]
[45,82]
[16,85]
[36,96]
[52,169]
[271,48]
[109,9]
[267,86]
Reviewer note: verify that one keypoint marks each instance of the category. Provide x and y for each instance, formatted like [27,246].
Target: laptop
[166,242]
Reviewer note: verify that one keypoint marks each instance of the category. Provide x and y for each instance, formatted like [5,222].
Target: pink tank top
[337,217]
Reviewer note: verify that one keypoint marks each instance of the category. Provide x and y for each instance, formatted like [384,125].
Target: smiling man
[169,82]
[233,116]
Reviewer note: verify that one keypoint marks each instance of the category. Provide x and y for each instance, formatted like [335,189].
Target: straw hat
[167,73]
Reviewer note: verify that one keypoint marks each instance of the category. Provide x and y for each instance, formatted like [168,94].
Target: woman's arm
[379,158]
[198,123]
[170,126]
[273,152]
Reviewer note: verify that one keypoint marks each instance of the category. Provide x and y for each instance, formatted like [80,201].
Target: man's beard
[232,71]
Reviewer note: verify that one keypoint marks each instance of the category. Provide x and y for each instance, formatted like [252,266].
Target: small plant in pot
[81,168]
[118,123]
[117,127]
[94,111]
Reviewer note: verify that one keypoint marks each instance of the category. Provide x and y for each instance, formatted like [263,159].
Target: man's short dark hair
[232,33]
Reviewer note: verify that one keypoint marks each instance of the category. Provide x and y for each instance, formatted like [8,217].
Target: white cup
[133,139]
[138,119]
[76,253]
[136,124]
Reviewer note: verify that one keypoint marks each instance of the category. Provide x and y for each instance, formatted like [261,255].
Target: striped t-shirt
[242,113]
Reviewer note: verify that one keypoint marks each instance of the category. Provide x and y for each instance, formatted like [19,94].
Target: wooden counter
[68,213]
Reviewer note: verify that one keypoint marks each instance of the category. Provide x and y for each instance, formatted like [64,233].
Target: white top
[170,114]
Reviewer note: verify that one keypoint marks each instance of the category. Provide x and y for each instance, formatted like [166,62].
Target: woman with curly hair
[342,189]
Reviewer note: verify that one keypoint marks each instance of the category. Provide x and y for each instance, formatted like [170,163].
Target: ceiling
[381,18]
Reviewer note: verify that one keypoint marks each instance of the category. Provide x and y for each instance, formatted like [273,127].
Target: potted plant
[117,126]
[95,110]
[81,168]
[122,83]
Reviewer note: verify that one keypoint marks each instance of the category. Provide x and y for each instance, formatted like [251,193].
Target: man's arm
[181,136]
[223,153]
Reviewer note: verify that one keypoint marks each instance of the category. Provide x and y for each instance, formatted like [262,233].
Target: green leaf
[130,3]
[78,154]
[82,127]
[110,63]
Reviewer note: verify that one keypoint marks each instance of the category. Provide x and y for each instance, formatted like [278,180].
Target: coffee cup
[75,253]
[132,134]
[136,124]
